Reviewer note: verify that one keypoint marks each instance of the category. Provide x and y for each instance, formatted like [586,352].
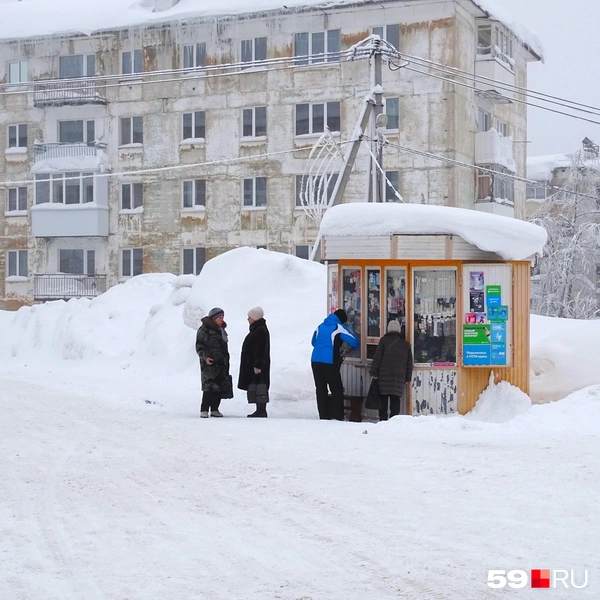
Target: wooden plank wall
[473,380]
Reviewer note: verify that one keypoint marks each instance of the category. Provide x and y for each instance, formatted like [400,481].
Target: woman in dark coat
[211,348]
[255,363]
[392,367]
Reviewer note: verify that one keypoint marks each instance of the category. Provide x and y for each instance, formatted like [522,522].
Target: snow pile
[511,239]
[500,403]
[562,361]
[541,168]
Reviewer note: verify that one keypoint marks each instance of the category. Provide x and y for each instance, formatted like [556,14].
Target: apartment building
[153,143]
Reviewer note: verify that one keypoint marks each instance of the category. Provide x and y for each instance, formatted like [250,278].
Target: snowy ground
[111,487]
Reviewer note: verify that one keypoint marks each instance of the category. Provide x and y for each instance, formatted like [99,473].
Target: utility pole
[378,124]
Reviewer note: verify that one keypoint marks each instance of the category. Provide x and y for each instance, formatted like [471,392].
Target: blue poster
[476,354]
[498,356]
[498,313]
[493,300]
[498,333]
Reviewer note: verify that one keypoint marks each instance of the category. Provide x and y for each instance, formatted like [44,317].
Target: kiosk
[457,281]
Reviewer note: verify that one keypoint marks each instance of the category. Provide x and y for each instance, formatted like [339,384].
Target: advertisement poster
[498,313]
[476,355]
[476,281]
[476,334]
[471,318]
[498,354]
[476,303]
[498,331]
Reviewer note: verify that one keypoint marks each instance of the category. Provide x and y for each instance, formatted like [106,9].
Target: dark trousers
[329,375]
[210,400]
[394,407]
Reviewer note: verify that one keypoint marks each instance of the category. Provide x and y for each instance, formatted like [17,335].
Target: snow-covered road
[107,497]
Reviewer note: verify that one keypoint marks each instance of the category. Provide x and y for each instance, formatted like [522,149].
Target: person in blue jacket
[326,361]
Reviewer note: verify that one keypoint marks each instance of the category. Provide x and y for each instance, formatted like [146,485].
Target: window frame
[86,59]
[85,129]
[197,53]
[495,181]
[22,65]
[390,196]
[84,177]
[311,118]
[325,55]
[484,120]
[195,252]
[131,260]
[135,193]
[195,192]
[387,32]
[20,199]
[132,130]
[88,261]
[255,180]
[394,100]
[194,116]
[132,57]
[253,122]
[18,136]
[20,260]
[253,44]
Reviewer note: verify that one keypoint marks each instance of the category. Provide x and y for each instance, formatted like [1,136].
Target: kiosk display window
[374,303]
[352,293]
[332,297]
[435,316]
[396,298]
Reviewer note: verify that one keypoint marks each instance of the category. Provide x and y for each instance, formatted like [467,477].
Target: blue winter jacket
[328,338]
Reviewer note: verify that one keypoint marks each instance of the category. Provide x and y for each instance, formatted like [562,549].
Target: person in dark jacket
[392,367]
[255,362]
[326,361]
[212,350]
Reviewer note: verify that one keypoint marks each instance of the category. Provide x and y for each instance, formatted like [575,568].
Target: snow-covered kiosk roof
[417,231]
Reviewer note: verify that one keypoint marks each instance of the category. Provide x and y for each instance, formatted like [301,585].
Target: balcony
[68,93]
[491,148]
[499,71]
[43,152]
[62,286]
[69,220]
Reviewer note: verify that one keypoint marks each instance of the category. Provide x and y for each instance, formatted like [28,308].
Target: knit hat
[216,312]
[340,313]
[256,313]
[394,326]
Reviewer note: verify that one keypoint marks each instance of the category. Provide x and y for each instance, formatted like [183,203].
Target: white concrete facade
[435,116]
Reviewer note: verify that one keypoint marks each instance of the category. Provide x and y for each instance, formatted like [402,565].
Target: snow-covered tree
[565,281]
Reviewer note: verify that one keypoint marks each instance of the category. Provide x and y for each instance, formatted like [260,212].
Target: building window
[17,263]
[194,56]
[17,136]
[313,188]
[495,41]
[303,251]
[131,62]
[254,122]
[17,71]
[496,187]
[484,120]
[77,262]
[193,260]
[535,192]
[393,178]
[132,262]
[392,110]
[598,276]
[194,125]
[194,193]
[64,188]
[317,47]
[16,199]
[132,196]
[254,50]
[255,192]
[73,132]
[79,65]
[502,128]
[389,33]
[132,130]
[313,118]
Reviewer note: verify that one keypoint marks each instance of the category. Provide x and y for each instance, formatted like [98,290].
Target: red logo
[540,578]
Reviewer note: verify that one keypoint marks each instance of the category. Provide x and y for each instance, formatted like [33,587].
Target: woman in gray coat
[392,367]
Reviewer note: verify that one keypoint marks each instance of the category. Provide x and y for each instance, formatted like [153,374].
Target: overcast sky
[569,32]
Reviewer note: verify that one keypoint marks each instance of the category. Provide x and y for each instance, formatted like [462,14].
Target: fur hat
[256,313]
[394,326]
[216,312]
[340,313]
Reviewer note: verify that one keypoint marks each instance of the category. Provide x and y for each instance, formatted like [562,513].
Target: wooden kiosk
[457,280]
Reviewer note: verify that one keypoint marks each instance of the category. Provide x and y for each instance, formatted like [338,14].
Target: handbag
[373,396]
[227,391]
[258,393]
